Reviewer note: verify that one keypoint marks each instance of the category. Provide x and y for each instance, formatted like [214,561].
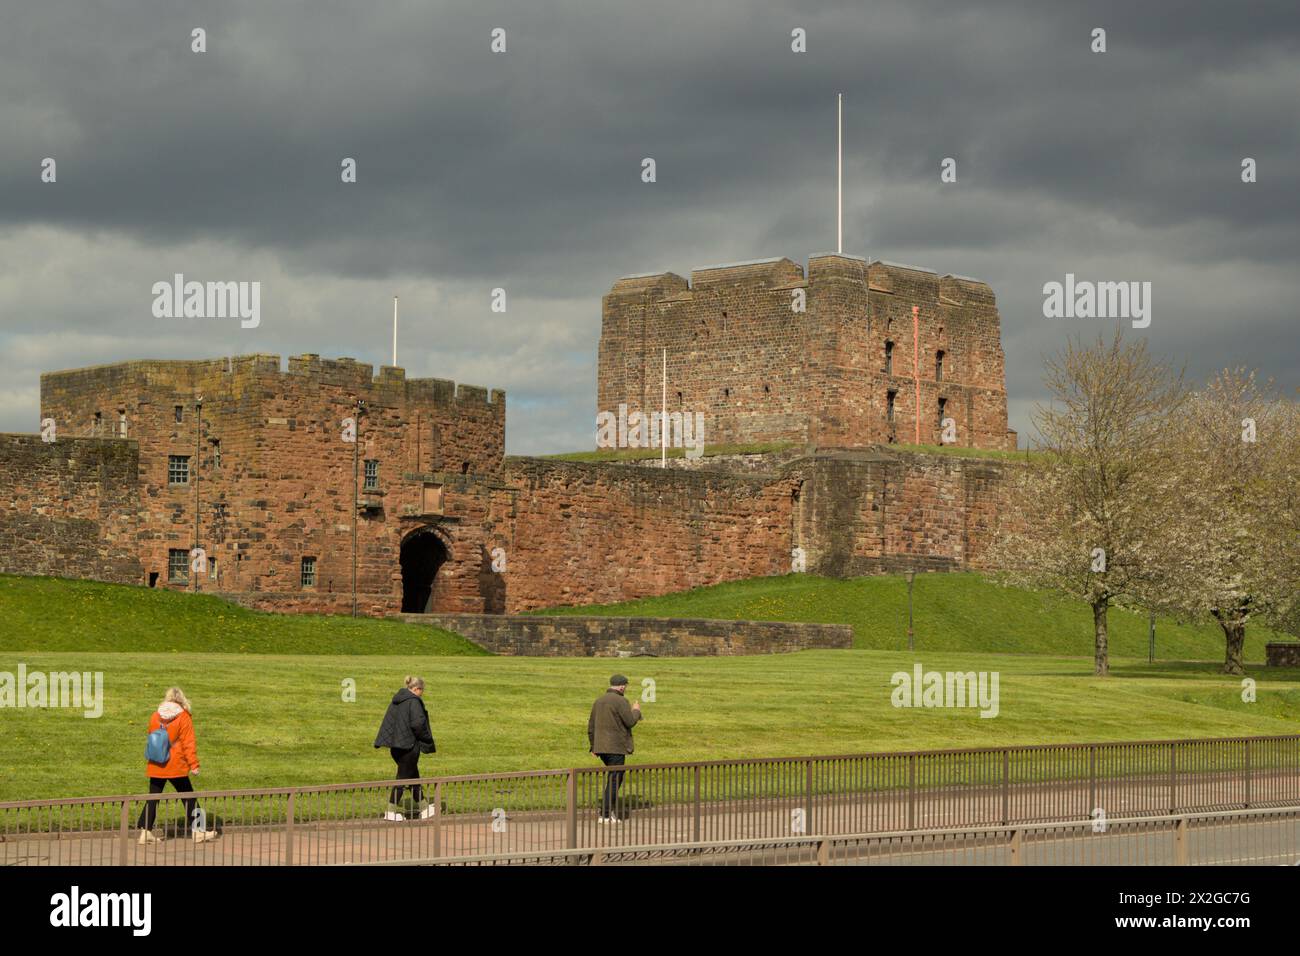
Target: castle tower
[828,358]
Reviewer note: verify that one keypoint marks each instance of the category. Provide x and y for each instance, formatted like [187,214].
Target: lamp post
[911,576]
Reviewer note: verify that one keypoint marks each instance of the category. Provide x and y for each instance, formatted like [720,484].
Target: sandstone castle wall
[68,508]
[576,636]
[596,533]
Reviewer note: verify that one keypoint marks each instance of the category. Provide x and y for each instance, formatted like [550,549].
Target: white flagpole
[663,417]
[394,331]
[839,173]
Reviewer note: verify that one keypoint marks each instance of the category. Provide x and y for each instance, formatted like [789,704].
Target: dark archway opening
[423,553]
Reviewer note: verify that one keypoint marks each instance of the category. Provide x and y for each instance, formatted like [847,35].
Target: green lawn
[55,614]
[276,720]
[951,612]
[269,706]
[637,454]
[960,452]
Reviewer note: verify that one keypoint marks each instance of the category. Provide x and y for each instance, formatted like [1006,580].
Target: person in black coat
[405,732]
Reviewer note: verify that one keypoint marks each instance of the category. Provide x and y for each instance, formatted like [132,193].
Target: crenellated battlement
[235,375]
[782,273]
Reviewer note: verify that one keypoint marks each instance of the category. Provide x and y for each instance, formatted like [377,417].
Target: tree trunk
[1101,648]
[1234,632]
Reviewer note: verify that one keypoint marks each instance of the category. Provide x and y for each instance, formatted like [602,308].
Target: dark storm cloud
[522,171]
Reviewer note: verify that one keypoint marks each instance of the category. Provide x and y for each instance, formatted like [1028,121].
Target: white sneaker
[204,836]
[146,838]
[428,812]
[394,816]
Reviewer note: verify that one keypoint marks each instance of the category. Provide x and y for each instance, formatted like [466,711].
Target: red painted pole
[916,366]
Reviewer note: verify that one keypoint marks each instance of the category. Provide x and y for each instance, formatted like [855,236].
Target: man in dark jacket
[609,735]
[405,732]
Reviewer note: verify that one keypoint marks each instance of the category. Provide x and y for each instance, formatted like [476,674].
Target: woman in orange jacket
[173,714]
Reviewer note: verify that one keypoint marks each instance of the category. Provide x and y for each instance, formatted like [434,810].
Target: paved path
[462,834]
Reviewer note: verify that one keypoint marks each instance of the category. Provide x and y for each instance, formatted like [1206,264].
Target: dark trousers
[156,785]
[408,768]
[613,780]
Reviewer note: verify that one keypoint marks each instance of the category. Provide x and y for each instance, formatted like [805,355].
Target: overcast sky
[522,170]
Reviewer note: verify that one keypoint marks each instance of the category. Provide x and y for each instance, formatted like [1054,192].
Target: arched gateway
[423,553]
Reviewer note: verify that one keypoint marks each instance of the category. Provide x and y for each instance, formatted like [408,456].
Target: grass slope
[276,720]
[54,614]
[638,454]
[952,612]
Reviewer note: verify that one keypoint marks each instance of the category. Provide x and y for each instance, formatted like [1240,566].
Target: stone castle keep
[838,374]
[249,461]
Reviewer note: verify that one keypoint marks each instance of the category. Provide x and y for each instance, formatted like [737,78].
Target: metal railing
[662,805]
[1235,837]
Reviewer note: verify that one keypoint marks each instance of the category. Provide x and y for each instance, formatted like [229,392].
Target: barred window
[372,474]
[178,469]
[309,572]
[178,566]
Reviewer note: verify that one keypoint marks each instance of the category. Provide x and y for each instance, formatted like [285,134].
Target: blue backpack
[158,746]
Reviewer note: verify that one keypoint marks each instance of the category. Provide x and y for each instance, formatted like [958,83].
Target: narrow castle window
[212,568]
[99,423]
[216,452]
[121,423]
[372,474]
[178,566]
[178,469]
[938,366]
[889,358]
[943,408]
[179,412]
[309,572]
[889,405]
